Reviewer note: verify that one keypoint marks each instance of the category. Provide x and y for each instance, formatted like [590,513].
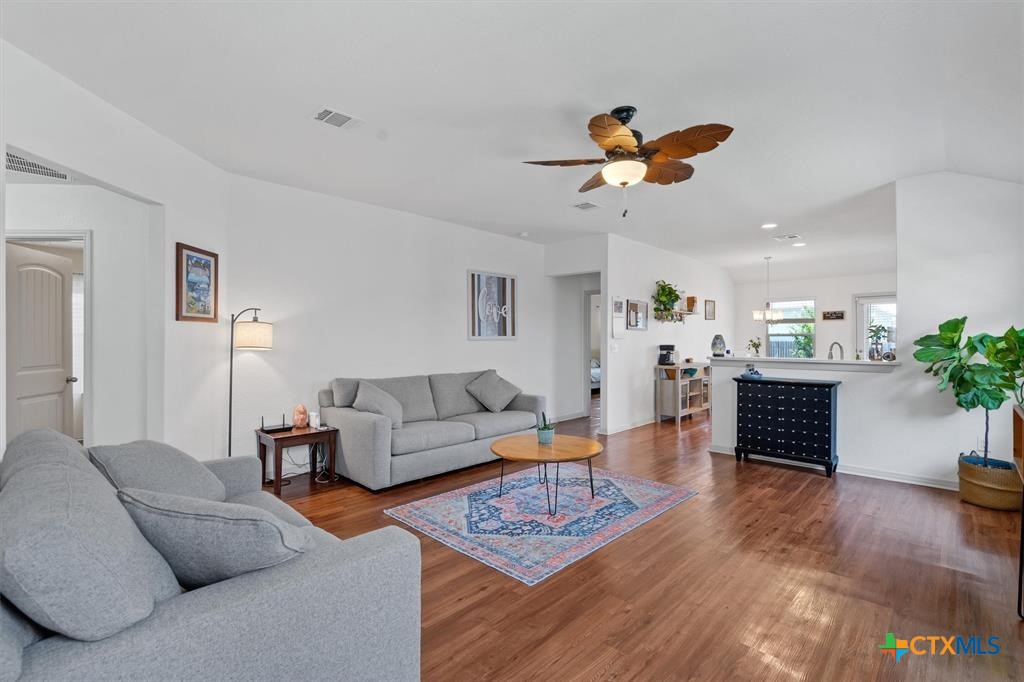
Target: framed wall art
[636,315]
[492,306]
[709,309]
[197,292]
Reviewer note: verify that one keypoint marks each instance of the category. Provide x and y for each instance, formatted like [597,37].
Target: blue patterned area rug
[514,533]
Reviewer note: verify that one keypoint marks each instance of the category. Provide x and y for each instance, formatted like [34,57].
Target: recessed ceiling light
[800,244]
[769,226]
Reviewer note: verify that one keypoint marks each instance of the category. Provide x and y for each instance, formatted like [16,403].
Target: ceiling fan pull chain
[625,202]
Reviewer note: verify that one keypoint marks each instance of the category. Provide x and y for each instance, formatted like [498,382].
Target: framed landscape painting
[195,284]
[492,306]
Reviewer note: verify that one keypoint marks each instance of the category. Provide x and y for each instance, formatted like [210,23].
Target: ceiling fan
[628,159]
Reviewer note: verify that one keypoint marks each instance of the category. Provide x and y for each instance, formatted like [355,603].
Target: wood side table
[306,435]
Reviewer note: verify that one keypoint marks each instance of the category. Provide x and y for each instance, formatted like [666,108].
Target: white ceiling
[831,102]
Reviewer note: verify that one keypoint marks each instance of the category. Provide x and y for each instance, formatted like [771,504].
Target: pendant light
[767,314]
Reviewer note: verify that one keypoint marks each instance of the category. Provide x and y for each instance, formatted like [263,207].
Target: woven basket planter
[988,487]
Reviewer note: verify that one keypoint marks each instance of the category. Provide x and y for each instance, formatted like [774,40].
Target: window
[877,311]
[793,335]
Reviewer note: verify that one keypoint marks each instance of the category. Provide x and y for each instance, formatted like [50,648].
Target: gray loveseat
[343,610]
[443,427]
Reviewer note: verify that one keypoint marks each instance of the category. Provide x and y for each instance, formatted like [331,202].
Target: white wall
[120,244]
[627,393]
[595,326]
[365,291]
[958,240]
[572,342]
[833,293]
[48,115]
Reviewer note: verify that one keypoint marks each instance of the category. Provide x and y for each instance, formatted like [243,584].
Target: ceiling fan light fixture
[624,172]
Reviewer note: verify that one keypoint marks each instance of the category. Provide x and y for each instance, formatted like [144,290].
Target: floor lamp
[246,335]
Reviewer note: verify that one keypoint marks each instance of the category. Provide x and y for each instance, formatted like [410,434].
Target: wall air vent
[20,164]
[785,238]
[337,119]
[585,206]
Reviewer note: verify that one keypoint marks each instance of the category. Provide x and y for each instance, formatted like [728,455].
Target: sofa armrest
[365,439]
[525,402]
[239,475]
[325,397]
[344,610]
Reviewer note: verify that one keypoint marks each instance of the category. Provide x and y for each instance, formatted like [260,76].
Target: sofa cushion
[43,446]
[267,502]
[369,398]
[488,424]
[71,559]
[16,633]
[429,435]
[412,392]
[150,465]
[206,541]
[450,394]
[492,391]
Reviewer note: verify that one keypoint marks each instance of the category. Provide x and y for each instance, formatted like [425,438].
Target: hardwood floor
[770,573]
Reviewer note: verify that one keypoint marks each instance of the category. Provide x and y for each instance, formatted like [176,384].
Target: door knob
[70,380]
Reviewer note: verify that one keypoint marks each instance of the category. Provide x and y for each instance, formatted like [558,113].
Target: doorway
[593,362]
[47,311]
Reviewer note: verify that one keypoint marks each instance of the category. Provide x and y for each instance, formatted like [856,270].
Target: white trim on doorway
[586,353]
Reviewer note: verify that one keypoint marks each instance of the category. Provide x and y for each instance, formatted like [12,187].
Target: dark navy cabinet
[787,418]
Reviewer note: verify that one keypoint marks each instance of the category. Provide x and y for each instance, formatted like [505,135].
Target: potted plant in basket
[546,430]
[984,481]
[665,298]
[876,334]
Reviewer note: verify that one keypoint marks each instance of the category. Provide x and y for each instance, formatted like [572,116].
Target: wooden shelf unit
[677,395]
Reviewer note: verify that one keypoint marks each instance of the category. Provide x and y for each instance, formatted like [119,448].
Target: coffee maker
[667,356]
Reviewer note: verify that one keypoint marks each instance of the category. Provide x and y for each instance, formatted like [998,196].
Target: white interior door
[38,341]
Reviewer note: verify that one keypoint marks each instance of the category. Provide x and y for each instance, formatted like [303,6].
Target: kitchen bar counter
[774,364]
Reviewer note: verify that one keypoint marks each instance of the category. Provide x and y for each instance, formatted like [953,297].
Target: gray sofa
[444,428]
[344,609]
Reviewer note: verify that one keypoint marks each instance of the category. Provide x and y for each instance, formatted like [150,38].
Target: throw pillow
[369,398]
[150,465]
[492,391]
[206,542]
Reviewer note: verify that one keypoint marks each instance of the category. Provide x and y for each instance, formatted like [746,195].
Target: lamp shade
[254,335]
[624,173]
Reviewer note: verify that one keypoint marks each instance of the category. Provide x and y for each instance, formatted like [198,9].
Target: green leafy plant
[545,425]
[754,345]
[974,384]
[665,297]
[877,332]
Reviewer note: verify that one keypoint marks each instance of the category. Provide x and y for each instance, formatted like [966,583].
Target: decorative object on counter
[751,372]
[754,345]
[667,354]
[665,298]
[300,416]
[546,430]
[858,356]
[876,334]
[767,314]
[636,315]
[833,315]
[197,293]
[688,361]
[314,420]
[618,317]
[984,481]
[718,346]
[246,335]
[492,306]
[709,309]
[787,419]
[888,356]
[691,304]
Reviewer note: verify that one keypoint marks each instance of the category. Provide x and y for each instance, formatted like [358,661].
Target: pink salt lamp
[300,417]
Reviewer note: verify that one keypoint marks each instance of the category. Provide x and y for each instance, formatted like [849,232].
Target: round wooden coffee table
[526,448]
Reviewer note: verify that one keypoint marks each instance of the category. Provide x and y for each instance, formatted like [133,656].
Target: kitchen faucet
[841,354]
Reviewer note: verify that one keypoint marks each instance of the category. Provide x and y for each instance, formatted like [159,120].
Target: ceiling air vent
[786,237]
[337,119]
[20,164]
[585,206]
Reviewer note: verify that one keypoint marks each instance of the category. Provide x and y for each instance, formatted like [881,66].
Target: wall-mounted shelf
[674,316]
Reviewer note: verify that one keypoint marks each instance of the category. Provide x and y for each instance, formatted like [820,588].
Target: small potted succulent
[546,430]
[754,346]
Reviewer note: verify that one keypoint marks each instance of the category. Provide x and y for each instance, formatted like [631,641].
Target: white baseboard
[627,427]
[568,417]
[866,472]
